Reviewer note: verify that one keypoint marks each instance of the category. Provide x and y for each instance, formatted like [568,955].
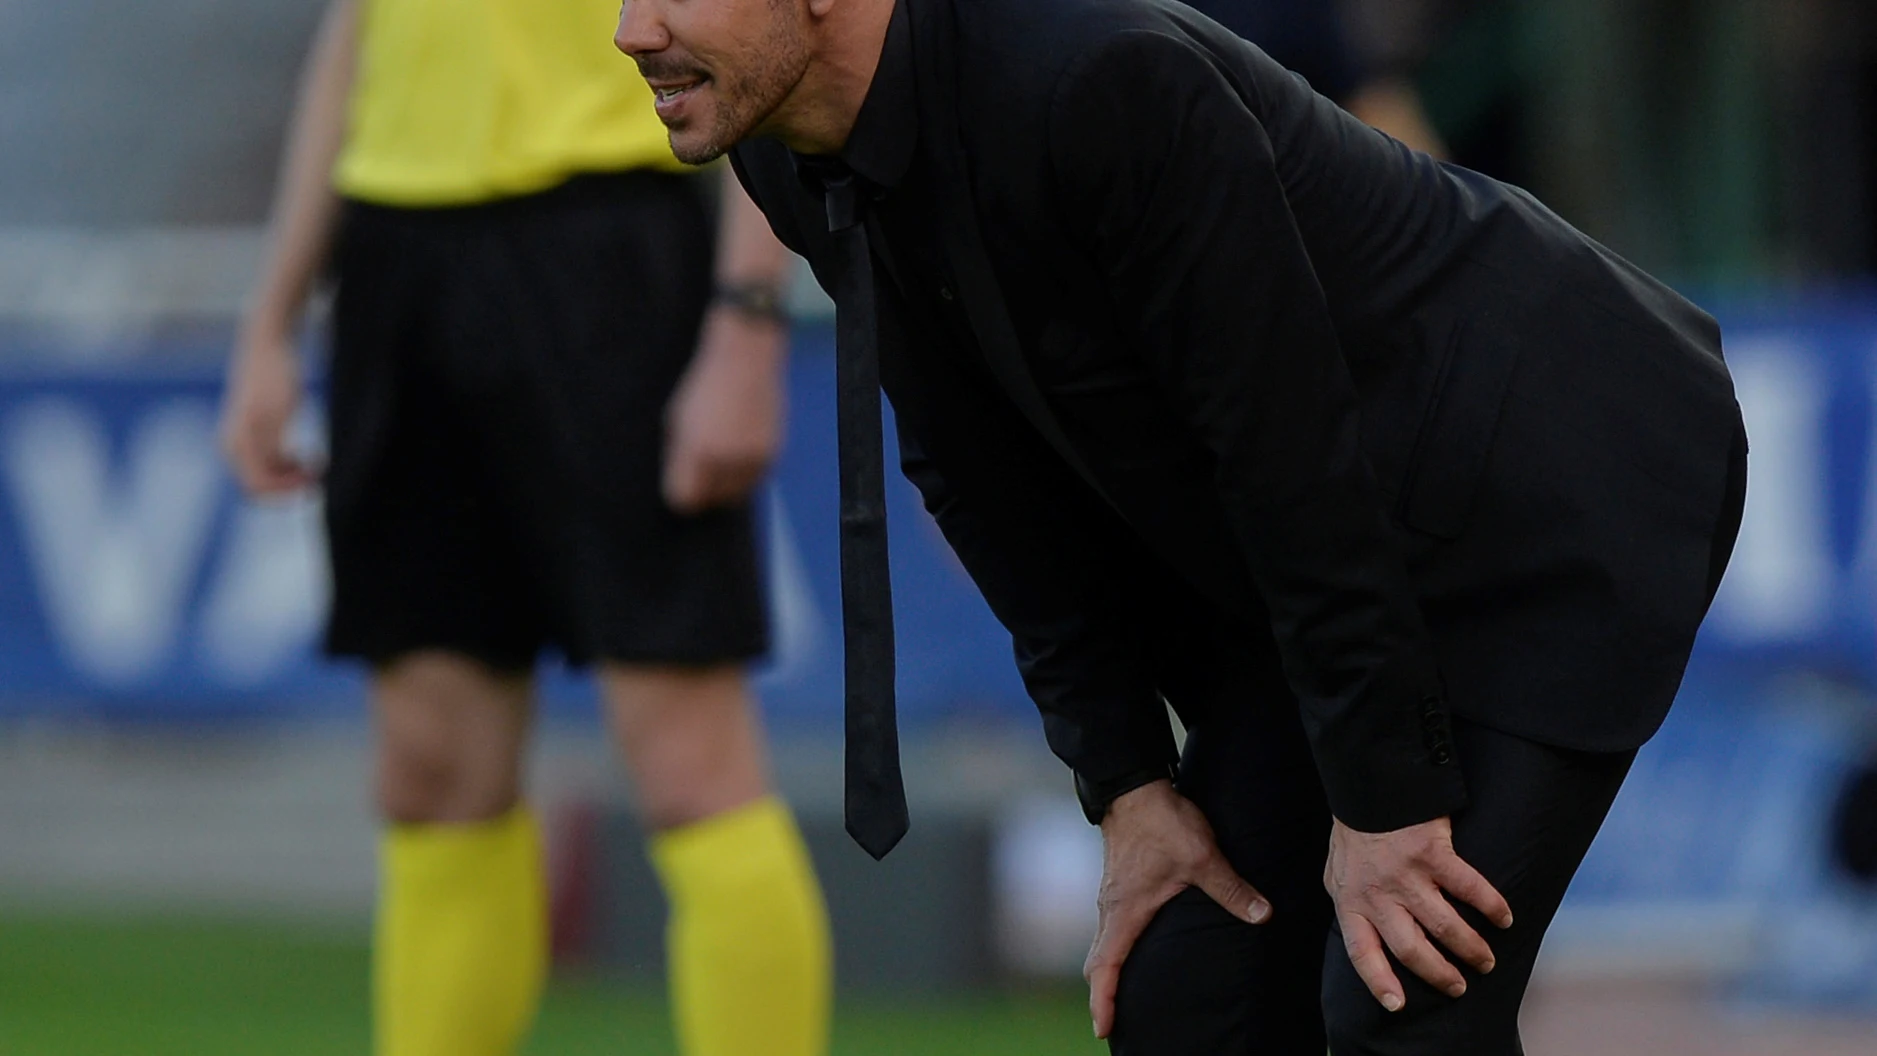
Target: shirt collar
[880,147]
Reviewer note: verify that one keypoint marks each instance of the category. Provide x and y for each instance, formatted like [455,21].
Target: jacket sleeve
[1167,180]
[1057,569]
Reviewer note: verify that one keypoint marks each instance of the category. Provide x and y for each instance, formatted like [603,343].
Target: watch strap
[755,299]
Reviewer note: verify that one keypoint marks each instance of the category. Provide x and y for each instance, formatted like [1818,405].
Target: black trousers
[1201,983]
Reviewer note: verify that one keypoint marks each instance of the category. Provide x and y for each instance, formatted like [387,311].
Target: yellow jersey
[462,101]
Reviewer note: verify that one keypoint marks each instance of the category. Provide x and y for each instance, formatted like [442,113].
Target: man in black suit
[1406,496]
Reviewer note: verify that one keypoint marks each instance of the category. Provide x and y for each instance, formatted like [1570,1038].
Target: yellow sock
[751,964]
[461,939]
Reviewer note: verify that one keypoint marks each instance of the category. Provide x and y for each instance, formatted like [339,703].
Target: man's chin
[691,146]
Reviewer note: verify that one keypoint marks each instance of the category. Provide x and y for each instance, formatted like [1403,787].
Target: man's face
[718,68]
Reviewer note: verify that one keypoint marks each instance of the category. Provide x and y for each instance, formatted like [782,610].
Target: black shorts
[498,387]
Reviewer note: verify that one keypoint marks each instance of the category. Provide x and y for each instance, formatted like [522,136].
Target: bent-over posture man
[1407,496]
[523,273]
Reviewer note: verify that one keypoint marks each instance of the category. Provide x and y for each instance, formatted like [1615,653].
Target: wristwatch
[755,299]
[1097,796]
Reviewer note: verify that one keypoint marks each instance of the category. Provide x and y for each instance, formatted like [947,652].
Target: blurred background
[186,841]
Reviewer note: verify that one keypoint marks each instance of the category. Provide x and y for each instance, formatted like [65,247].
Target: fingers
[1465,883]
[1121,925]
[1443,923]
[683,481]
[1217,879]
[262,468]
[272,482]
[696,482]
[281,477]
[733,479]
[1155,845]
[1364,946]
[1410,945]
[1391,892]
[1123,922]
[1103,981]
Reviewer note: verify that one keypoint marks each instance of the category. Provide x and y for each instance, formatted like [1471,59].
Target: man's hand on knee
[1391,888]
[1156,843]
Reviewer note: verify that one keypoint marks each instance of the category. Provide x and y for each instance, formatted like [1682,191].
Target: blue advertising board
[136,583]
[1799,589]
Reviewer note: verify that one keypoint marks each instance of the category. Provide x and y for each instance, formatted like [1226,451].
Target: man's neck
[820,113]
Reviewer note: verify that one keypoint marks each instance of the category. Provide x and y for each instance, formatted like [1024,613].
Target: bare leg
[690,737]
[461,947]
[450,738]
[751,969]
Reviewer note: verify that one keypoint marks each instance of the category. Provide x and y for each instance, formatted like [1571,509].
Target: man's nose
[641,27]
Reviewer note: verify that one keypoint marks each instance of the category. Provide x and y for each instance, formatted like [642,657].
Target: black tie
[876,795]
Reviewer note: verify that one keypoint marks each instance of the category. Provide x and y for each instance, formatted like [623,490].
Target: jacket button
[1431,721]
[1442,756]
[945,292]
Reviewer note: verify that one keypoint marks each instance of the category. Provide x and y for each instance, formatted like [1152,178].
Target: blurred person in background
[546,422]
[1312,38]
[1715,143]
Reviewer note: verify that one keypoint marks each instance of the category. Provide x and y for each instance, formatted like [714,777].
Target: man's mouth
[668,95]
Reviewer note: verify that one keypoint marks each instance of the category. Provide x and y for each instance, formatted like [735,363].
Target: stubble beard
[709,151]
[745,106]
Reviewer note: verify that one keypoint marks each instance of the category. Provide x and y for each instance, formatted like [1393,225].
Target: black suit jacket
[1253,380]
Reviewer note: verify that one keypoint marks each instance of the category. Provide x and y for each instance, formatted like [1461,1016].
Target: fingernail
[1260,912]
[1490,965]
[1505,921]
[1094,1026]
[1391,1002]
[1456,990]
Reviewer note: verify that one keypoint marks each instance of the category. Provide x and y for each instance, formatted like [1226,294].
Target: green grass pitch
[104,986]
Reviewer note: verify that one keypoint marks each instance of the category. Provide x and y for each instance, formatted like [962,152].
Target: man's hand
[1155,844]
[264,393]
[724,424]
[1388,888]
